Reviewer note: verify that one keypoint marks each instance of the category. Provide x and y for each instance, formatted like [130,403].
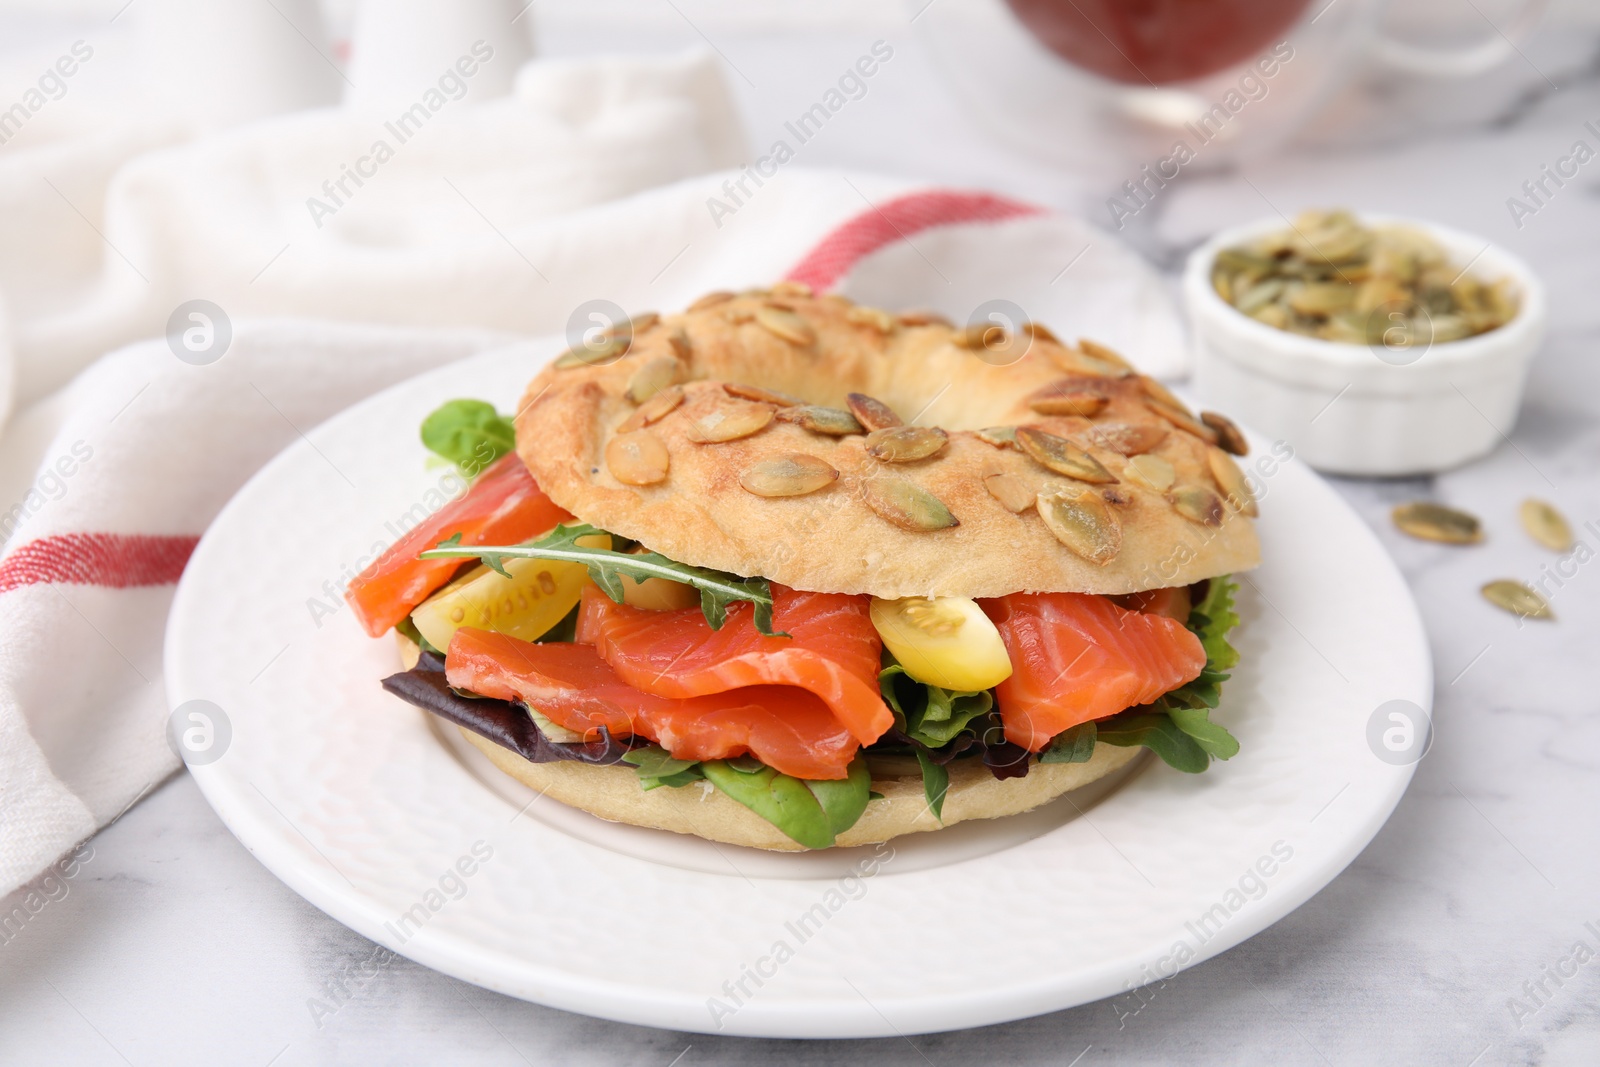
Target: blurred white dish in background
[218,64]
[1360,409]
[399,48]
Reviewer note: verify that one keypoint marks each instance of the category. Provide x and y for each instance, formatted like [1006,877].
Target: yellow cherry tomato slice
[658,594]
[945,641]
[538,595]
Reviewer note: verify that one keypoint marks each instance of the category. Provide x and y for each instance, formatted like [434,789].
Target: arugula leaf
[1072,745]
[469,433]
[718,590]
[1203,692]
[1210,621]
[1196,722]
[935,783]
[1157,732]
[928,714]
[1189,705]
[657,767]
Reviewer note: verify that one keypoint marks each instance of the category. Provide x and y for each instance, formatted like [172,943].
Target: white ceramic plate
[367,809]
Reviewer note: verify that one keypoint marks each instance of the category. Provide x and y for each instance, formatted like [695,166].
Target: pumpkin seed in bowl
[1331,277]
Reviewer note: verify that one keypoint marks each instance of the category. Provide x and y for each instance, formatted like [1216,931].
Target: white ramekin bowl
[1355,409]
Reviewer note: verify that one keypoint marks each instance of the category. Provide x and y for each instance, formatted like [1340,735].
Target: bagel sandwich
[788,572]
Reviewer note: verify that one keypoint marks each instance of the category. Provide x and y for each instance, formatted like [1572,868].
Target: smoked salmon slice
[832,651]
[504,507]
[789,729]
[1077,657]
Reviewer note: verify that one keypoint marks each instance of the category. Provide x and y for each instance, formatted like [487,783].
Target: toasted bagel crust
[831,540]
[613,793]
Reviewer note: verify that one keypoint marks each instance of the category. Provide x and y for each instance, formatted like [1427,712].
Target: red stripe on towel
[116,561]
[896,220]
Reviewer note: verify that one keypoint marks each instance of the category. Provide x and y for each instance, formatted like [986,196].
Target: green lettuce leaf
[812,813]
[783,801]
[1212,618]
[844,800]
[927,713]
[469,433]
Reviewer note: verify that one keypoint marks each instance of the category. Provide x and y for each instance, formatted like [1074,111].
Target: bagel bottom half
[613,793]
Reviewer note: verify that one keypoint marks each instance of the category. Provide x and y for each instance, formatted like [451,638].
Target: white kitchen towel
[146,449]
[123,469]
[357,216]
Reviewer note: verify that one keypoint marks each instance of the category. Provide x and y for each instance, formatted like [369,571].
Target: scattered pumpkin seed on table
[1518,599]
[1435,522]
[1546,525]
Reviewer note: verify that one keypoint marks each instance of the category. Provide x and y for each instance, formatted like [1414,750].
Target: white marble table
[171,945]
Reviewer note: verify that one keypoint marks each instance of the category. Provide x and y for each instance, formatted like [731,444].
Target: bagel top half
[682,433]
